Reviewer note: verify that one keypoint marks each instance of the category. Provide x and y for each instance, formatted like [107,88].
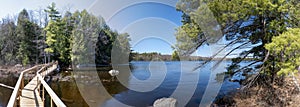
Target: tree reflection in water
[90,86]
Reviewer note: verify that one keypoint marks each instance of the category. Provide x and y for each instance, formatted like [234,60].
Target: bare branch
[230,53]
[254,78]
[246,66]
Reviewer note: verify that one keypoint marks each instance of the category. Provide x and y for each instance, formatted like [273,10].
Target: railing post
[43,96]
[51,102]
[22,83]
[39,86]
[17,103]
[21,88]
[37,81]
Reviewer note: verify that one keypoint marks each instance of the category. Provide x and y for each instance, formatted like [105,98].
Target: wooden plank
[30,96]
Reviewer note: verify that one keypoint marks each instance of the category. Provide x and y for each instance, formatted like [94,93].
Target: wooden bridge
[33,93]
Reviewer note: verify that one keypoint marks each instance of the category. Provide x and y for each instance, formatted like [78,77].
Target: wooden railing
[53,97]
[18,87]
[44,71]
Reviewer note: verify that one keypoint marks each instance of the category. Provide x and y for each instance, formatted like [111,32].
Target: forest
[45,35]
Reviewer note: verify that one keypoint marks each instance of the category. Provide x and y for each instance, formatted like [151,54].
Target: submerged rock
[66,79]
[165,102]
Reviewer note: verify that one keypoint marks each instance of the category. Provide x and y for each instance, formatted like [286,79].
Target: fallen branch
[6,86]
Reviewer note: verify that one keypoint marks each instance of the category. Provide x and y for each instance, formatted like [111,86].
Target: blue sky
[151,24]
[13,7]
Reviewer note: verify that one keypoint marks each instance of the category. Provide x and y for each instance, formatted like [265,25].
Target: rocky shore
[286,94]
[8,71]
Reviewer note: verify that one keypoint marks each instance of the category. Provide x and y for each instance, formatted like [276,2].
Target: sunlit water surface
[134,76]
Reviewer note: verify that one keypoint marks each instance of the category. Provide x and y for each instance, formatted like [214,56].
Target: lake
[140,84]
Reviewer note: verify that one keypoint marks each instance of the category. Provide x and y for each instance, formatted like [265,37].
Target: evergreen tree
[58,36]
[244,23]
[85,36]
[120,52]
[104,47]
[53,12]
[285,48]
[175,56]
[27,33]
[8,42]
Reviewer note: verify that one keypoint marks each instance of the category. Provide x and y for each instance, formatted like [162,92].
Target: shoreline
[263,96]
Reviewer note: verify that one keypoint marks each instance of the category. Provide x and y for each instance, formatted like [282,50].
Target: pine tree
[285,48]
[244,23]
[58,36]
[8,42]
[53,12]
[27,33]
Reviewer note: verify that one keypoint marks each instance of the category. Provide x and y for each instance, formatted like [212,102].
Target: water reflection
[87,90]
[91,93]
[5,92]
[89,82]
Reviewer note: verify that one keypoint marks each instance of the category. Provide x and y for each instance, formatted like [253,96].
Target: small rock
[67,78]
[92,101]
[18,65]
[165,102]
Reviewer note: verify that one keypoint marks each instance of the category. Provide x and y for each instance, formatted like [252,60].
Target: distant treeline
[154,56]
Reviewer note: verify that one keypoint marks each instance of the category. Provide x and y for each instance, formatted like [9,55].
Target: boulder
[165,102]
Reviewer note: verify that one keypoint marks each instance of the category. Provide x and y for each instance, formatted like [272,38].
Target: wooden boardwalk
[29,96]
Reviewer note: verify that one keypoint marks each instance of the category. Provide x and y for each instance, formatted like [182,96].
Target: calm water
[138,86]
[5,92]
[141,83]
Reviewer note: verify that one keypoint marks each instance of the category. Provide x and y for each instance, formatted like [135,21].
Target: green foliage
[265,19]
[20,42]
[93,41]
[104,46]
[286,48]
[78,36]
[53,12]
[51,36]
[27,33]
[85,35]
[121,49]
[8,42]
[188,36]
[58,36]
[175,56]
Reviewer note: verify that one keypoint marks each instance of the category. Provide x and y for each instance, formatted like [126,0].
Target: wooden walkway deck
[29,96]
